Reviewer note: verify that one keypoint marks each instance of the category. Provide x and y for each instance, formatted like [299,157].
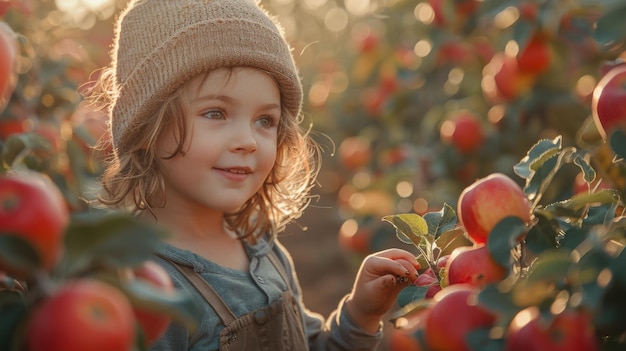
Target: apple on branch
[487,201]
[608,102]
[82,315]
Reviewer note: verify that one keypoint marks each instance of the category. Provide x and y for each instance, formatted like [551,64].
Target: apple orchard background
[412,102]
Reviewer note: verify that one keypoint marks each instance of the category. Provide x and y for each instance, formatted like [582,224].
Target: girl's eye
[213,114]
[267,122]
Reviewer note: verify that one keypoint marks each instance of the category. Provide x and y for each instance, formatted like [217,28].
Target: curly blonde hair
[133,179]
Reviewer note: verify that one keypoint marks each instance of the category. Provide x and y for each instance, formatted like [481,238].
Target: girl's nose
[243,138]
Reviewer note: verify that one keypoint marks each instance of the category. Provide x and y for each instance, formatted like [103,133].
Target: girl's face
[232,116]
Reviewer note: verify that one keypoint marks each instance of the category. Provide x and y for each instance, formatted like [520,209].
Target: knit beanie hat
[160,44]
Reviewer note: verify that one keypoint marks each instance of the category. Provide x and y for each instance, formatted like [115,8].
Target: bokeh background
[411,101]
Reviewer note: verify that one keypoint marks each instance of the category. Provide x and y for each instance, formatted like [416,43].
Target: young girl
[205,104]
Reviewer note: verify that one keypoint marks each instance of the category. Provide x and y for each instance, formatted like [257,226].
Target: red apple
[536,56]
[429,278]
[463,131]
[355,152]
[608,102]
[570,330]
[474,266]
[33,208]
[488,200]
[442,261]
[9,127]
[82,315]
[453,316]
[353,238]
[152,322]
[608,65]
[511,82]
[426,278]
[8,72]
[455,52]
[401,341]
[528,10]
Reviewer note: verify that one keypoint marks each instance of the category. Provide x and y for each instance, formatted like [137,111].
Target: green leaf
[617,267]
[550,266]
[542,235]
[611,26]
[450,240]
[118,239]
[523,168]
[498,301]
[572,238]
[575,206]
[617,141]
[410,227]
[13,311]
[411,293]
[589,174]
[411,309]
[600,215]
[503,237]
[591,263]
[17,146]
[19,254]
[538,162]
[539,180]
[441,221]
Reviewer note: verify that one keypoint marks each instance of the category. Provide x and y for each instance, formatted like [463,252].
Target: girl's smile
[233,116]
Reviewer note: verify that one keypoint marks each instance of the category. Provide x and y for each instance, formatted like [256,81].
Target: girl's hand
[381,277]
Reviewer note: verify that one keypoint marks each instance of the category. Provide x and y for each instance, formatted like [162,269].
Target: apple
[9,127]
[368,43]
[511,82]
[454,52]
[482,48]
[442,261]
[8,72]
[355,239]
[474,266]
[453,316]
[528,11]
[82,315]
[401,341]
[608,65]
[536,56]
[463,131]
[488,200]
[428,278]
[33,208]
[570,330]
[452,12]
[152,323]
[355,152]
[608,101]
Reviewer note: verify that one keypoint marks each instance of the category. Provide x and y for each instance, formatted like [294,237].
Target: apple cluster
[445,311]
[54,298]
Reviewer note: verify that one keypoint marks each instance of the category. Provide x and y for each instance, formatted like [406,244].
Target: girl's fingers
[399,267]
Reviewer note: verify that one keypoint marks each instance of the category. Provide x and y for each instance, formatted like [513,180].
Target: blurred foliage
[413,66]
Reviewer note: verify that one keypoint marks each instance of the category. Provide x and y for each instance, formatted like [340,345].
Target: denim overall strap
[208,293]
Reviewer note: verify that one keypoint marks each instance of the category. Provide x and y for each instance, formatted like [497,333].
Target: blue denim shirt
[245,292]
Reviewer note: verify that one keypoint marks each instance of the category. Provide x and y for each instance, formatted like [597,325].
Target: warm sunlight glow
[422,48]
[506,17]
[336,19]
[424,13]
